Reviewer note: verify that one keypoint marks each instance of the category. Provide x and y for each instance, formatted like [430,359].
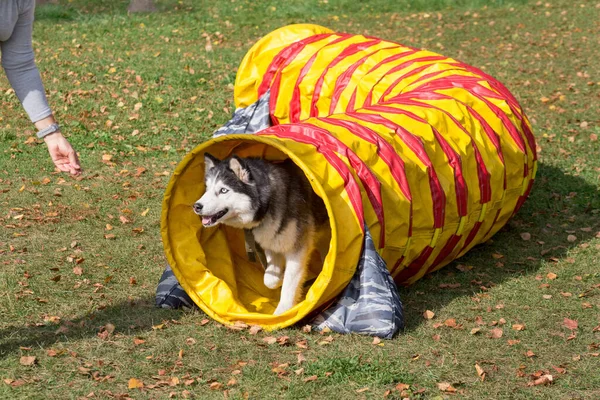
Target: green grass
[90,53]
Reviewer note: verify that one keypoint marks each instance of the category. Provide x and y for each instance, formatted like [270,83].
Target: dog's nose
[197,208]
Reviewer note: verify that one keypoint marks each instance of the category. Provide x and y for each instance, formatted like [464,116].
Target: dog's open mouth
[210,220]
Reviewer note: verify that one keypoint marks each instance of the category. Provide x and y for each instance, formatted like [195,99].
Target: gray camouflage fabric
[369,305]
[251,119]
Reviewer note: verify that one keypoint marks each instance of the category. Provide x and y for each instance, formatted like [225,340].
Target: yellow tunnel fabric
[432,155]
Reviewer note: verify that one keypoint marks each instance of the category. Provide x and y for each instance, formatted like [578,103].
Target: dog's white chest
[280,242]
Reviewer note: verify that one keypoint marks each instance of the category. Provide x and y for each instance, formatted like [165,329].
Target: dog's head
[230,196]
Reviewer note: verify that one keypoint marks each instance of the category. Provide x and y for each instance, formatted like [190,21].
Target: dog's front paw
[281,308]
[273,281]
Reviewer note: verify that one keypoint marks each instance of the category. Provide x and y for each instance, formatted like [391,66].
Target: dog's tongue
[206,220]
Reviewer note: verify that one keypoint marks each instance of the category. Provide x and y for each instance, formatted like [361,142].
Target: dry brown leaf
[428,314]
[518,327]
[215,386]
[446,387]
[551,276]
[543,380]
[526,236]
[254,329]
[496,333]
[270,340]
[301,358]
[480,372]
[310,378]
[450,323]
[28,360]
[570,323]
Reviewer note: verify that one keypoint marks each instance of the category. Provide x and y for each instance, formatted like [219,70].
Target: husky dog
[277,204]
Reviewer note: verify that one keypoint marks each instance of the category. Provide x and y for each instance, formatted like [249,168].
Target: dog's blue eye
[223,191]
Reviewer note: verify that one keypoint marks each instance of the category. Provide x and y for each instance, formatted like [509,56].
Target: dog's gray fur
[276,202]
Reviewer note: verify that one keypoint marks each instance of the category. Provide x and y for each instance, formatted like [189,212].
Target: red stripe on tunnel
[399,67]
[416,146]
[453,157]
[415,265]
[347,52]
[385,151]
[295,103]
[284,57]
[474,87]
[483,175]
[345,78]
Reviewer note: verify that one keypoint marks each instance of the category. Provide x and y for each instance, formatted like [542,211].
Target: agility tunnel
[431,155]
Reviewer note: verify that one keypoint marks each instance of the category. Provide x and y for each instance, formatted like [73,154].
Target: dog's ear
[239,169]
[209,162]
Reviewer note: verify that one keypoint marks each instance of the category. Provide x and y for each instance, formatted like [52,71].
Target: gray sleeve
[19,63]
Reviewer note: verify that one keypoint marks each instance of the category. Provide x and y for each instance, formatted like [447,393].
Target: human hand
[62,153]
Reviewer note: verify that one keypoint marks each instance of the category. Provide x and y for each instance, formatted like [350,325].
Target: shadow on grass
[559,205]
[126,318]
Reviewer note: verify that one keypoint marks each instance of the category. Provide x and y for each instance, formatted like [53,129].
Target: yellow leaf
[135,384]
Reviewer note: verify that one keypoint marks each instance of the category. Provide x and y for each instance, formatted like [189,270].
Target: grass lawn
[80,258]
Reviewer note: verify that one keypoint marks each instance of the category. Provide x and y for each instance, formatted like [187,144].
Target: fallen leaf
[480,372]
[571,238]
[530,353]
[475,331]
[570,324]
[269,340]
[526,236]
[560,370]
[301,358]
[496,333]
[450,323]
[77,270]
[543,380]
[28,360]
[428,314]
[551,276]
[135,384]
[310,378]
[518,327]
[254,329]
[362,390]
[376,340]
[446,387]
[215,386]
